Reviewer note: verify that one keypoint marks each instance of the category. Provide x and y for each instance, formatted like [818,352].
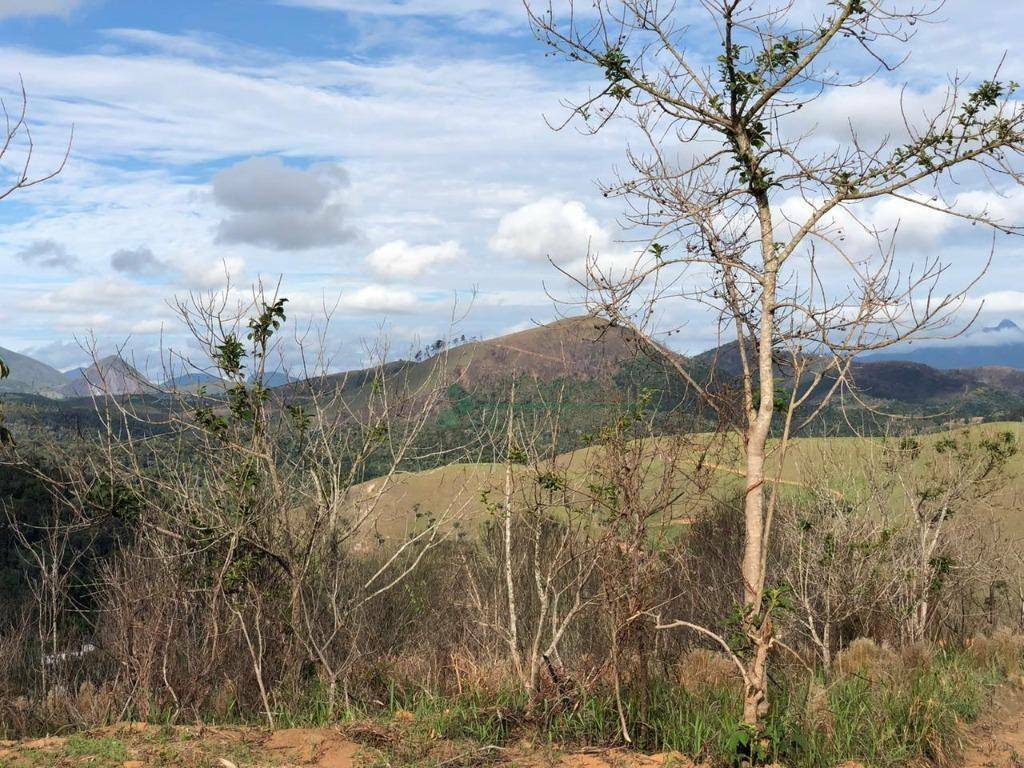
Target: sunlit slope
[840,466]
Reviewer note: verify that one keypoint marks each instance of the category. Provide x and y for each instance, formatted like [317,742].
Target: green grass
[839,463]
[897,711]
[103,751]
[906,714]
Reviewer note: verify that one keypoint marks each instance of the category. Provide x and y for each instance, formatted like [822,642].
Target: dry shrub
[701,670]
[917,655]
[818,711]
[472,674]
[96,705]
[1003,650]
[866,658]
[223,699]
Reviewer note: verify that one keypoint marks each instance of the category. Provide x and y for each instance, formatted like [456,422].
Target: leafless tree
[546,534]
[16,174]
[842,553]
[744,207]
[936,480]
[255,507]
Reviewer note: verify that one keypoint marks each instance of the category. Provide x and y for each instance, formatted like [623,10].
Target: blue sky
[387,159]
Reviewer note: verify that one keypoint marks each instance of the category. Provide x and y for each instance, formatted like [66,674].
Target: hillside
[583,360]
[111,375]
[453,492]
[580,359]
[578,348]
[29,376]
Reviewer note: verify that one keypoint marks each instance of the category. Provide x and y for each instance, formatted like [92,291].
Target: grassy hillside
[813,464]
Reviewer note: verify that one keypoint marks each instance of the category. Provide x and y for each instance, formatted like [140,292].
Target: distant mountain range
[110,375]
[980,374]
[31,376]
[998,345]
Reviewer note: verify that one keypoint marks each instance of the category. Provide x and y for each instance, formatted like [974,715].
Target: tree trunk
[757,626]
[510,586]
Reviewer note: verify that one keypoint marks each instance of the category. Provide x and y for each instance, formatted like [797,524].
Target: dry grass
[701,670]
[1002,650]
[867,659]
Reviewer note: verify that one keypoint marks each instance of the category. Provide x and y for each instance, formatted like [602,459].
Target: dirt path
[998,740]
[995,742]
[138,745]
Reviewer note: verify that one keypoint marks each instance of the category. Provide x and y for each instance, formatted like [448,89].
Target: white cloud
[104,305]
[183,45]
[874,112]
[550,228]
[413,7]
[210,274]
[480,16]
[1006,208]
[996,302]
[378,299]
[9,8]
[398,260]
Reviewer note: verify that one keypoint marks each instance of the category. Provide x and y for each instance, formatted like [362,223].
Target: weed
[103,751]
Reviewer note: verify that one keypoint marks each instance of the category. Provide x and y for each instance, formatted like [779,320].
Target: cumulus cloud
[875,112]
[274,205]
[207,275]
[9,8]
[550,228]
[398,260]
[996,302]
[49,254]
[378,298]
[138,261]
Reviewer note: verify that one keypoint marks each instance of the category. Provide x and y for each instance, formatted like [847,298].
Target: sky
[388,161]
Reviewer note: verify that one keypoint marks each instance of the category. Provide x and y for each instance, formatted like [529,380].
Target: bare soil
[997,741]
[137,745]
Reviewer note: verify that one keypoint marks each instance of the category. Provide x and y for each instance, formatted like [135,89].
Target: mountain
[29,376]
[998,345]
[582,360]
[192,382]
[938,395]
[273,379]
[905,381]
[110,376]
[577,349]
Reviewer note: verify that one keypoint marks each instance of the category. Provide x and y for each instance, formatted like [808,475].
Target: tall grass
[892,716]
[877,707]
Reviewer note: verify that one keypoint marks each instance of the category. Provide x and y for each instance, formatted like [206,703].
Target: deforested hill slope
[29,376]
[582,350]
[112,375]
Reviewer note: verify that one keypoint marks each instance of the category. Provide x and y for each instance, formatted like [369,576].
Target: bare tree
[935,481]
[842,554]
[17,175]
[743,208]
[253,508]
